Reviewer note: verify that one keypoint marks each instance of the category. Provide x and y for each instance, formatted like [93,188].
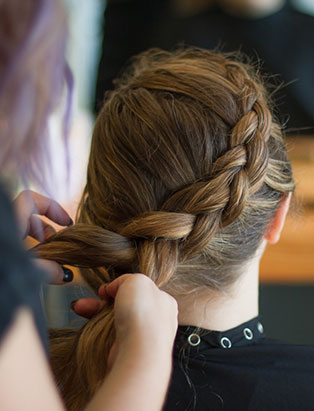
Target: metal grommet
[248,334]
[194,340]
[260,328]
[225,342]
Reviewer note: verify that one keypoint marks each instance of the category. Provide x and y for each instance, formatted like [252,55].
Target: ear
[275,227]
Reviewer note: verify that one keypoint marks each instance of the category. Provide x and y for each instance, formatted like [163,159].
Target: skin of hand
[28,207]
[141,311]
[129,285]
[146,321]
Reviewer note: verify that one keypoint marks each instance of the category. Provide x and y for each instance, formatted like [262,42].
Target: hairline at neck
[221,311]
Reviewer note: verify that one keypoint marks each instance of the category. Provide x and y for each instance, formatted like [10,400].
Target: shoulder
[9,237]
[12,252]
[289,354]
[268,375]
[5,207]
[20,280]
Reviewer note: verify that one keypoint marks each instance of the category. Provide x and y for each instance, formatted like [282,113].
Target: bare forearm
[25,379]
[138,381]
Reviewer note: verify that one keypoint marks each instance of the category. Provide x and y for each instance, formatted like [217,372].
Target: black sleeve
[20,280]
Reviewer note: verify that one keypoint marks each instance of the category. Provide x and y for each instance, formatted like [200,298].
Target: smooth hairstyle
[187,169]
[32,74]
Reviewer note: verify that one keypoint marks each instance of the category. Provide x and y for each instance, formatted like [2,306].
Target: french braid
[187,168]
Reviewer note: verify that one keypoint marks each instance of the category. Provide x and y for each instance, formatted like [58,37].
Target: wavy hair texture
[32,73]
[187,168]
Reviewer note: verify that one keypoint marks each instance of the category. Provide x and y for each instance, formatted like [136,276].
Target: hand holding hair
[142,313]
[145,320]
[28,207]
[88,307]
[139,308]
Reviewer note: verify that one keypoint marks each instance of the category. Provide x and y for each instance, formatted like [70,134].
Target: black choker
[199,338]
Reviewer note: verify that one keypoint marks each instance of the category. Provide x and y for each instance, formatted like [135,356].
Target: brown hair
[187,168]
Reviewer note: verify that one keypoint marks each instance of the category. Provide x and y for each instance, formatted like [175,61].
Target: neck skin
[221,311]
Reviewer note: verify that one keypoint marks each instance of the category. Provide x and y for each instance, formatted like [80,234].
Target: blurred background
[279,36]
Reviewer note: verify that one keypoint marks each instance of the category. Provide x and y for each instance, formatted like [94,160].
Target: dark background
[287,312]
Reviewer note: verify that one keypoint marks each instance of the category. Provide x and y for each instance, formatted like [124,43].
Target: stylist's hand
[28,207]
[140,361]
[139,306]
[144,315]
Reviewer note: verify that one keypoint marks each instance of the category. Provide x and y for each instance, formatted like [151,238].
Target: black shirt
[20,281]
[250,373]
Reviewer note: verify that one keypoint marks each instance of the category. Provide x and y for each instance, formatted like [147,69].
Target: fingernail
[102,288]
[70,223]
[73,304]
[67,275]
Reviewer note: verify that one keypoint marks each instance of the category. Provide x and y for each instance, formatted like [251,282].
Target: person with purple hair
[32,75]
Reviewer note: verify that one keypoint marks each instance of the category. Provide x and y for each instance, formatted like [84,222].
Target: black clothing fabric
[283,42]
[20,280]
[254,373]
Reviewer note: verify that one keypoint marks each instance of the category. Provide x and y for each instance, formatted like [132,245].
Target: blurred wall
[307,6]
[85,34]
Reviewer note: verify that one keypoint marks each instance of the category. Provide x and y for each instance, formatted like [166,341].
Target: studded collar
[245,334]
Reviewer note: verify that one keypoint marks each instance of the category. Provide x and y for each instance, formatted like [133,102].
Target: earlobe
[275,226]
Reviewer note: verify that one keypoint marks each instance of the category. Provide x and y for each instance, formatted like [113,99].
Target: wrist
[145,339]
[145,347]
[140,375]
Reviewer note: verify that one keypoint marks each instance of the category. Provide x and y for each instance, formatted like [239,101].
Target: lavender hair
[33,71]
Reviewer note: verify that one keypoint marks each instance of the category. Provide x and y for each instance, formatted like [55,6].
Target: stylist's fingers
[57,274]
[28,202]
[141,308]
[87,307]
[110,290]
[39,229]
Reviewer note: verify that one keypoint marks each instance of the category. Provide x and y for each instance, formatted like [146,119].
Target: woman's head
[32,72]
[188,164]
[187,169]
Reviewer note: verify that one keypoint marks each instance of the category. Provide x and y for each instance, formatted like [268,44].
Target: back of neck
[220,311]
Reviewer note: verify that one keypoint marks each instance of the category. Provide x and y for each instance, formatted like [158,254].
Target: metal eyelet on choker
[194,339]
[225,342]
[260,328]
[248,334]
